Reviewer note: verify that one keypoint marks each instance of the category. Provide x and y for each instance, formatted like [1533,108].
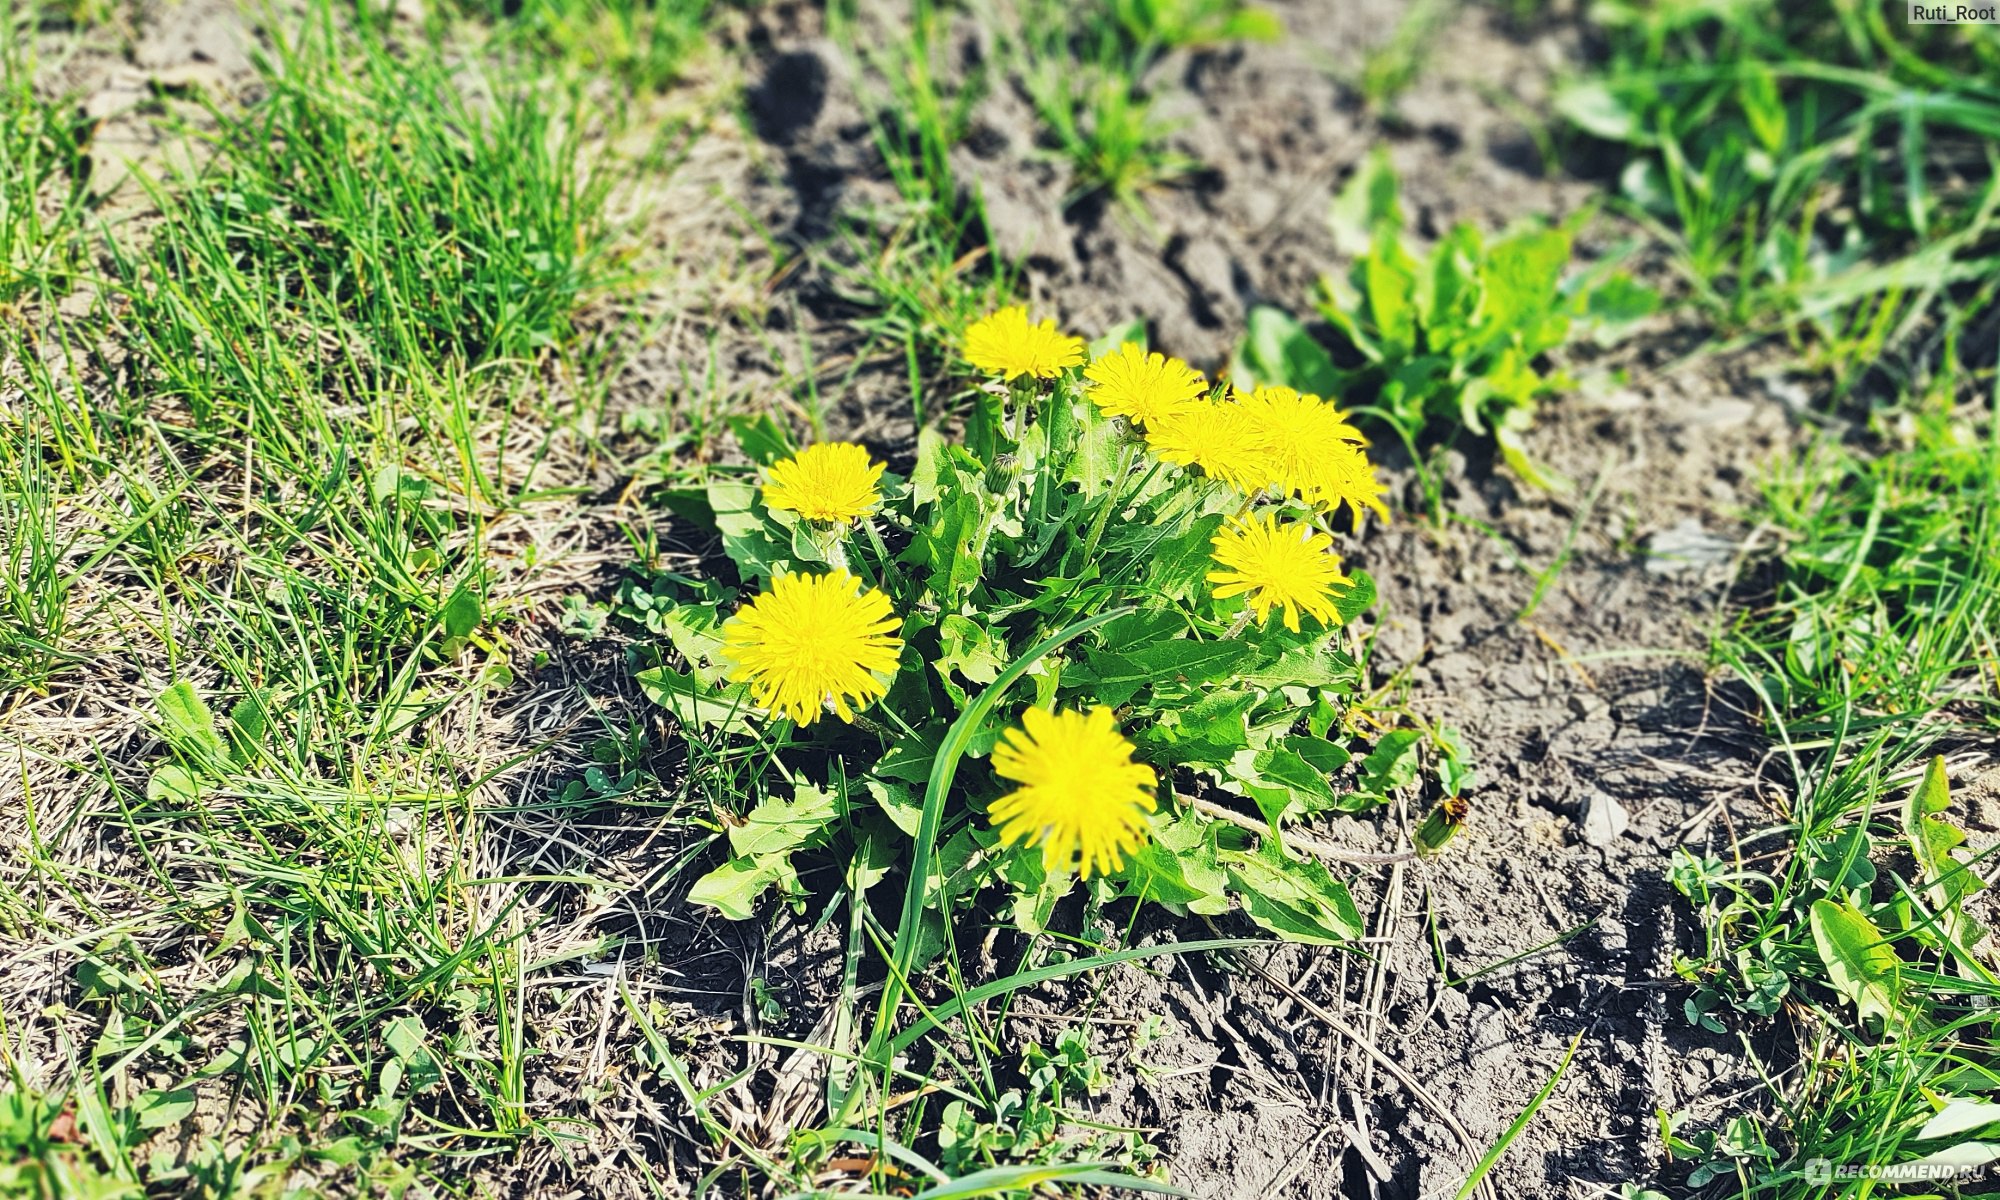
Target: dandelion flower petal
[1005,343]
[1082,798]
[1345,476]
[1279,564]
[1143,388]
[1218,437]
[832,482]
[811,641]
[1299,431]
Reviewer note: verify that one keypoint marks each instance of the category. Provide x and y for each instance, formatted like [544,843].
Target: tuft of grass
[645,44]
[921,269]
[42,179]
[1887,597]
[256,493]
[1390,69]
[1871,660]
[1083,67]
[1087,70]
[1819,170]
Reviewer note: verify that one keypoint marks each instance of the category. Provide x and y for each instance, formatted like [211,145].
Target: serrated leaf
[1392,763]
[762,847]
[949,547]
[776,826]
[1296,899]
[1034,891]
[1324,757]
[1593,107]
[1519,277]
[1388,282]
[695,633]
[904,808]
[1357,598]
[1208,732]
[695,704]
[763,440]
[1116,677]
[746,537]
[912,756]
[1177,866]
[1177,566]
[1365,204]
[732,889]
[1932,839]
[1098,449]
[1860,964]
[1314,664]
[1284,785]
[970,649]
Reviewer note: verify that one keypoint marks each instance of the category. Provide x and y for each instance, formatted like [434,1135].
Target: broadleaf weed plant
[1459,340]
[1151,558]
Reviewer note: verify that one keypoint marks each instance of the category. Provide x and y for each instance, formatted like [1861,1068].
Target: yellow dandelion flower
[1278,564]
[1345,476]
[1005,344]
[1082,798]
[811,641]
[1218,437]
[1142,387]
[1299,431]
[833,481]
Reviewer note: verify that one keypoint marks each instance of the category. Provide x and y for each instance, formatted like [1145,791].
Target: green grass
[1886,593]
[1820,171]
[1084,69]
[41,175]
[924,268]
[644,44]
[919,270]
[1873,651]
[264,474]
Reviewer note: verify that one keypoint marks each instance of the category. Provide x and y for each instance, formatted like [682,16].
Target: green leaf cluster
[1454,340]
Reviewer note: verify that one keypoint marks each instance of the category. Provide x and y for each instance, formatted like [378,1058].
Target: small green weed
[1027,1124]
[1048,596]
[1453,342]
[1046,523]
[1085,69]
